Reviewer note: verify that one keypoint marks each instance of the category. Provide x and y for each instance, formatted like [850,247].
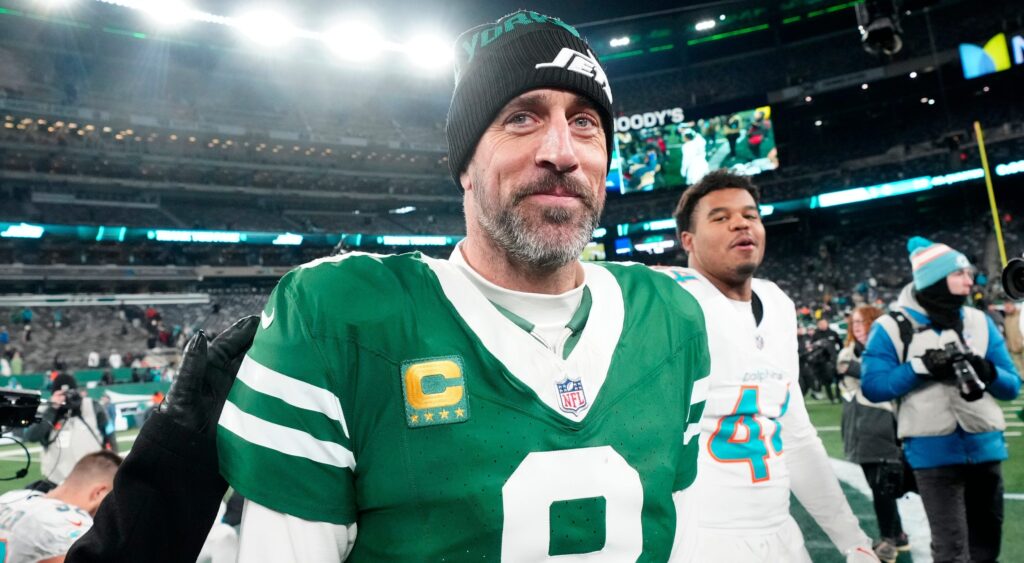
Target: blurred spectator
[1014,339]
[114,360]
[5,337]
[946,363]
[94,359]
[58,318]
[107,378]
[26,333]
[869,437]
[39,526]
[5,367]
[16,363]
[825,346]
[803,341]
[109,431]
[26,316]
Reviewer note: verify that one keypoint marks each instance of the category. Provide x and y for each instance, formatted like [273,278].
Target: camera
[879,25]
[72,402]
[18,408]
[971,387]
[1013,278]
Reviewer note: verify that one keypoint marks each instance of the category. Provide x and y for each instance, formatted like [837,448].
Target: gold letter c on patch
[414,384]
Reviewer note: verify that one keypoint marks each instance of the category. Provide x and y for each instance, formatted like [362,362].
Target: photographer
[945,364]
[70,428]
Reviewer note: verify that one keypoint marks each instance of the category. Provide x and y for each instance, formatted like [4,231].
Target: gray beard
[511,230]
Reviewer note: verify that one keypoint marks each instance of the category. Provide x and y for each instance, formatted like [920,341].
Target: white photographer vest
[935,409]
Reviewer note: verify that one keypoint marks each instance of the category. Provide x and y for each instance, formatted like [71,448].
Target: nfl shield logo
[570,395]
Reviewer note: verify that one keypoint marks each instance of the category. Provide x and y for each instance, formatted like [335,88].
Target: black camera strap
[906,332]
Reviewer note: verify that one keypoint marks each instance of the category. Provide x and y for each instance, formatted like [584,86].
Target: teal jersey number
[740,437]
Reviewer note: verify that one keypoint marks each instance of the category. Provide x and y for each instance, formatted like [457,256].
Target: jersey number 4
[740,438]
[544,478]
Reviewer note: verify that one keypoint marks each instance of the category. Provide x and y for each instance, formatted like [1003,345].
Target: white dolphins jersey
[754,411]
[34,527]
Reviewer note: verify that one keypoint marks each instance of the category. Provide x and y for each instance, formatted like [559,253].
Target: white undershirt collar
[548,313]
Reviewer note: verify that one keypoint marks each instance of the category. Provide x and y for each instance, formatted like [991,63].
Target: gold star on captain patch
[415,418]
[428,416]
[459,413]
[444,414]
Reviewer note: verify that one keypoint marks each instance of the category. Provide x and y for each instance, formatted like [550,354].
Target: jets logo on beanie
[933,261]
[523,51]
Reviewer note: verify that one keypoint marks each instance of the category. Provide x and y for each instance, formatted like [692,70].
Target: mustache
[550,182]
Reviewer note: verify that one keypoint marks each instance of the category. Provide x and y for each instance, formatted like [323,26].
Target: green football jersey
[387,391]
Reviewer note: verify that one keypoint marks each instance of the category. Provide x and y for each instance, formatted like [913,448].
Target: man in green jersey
[510,403]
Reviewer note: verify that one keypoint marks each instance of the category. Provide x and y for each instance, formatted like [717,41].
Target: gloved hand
[939,365]
[861,554]
[985,369]
[207,372]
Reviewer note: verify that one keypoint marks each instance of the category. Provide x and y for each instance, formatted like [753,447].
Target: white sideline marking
[915,522]
[1011,434]
[827,428]
[18,454]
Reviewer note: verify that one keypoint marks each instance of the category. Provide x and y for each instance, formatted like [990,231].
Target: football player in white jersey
[41,527]
[756,443]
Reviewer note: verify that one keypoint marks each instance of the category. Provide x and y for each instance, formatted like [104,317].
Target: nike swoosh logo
[265,319]
[73,523]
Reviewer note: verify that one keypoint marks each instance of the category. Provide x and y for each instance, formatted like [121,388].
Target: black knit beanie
[498,61]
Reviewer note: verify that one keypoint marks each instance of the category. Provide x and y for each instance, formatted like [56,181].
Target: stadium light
[265,28]
[705,25]
[619,41]
[50,4]
[429,52]
[165,13]
[913,74]
[817,123]
[864,86]
[808,99]
[354,41]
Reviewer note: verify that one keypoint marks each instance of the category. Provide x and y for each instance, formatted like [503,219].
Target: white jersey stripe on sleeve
[295,392]
[700,390]
[692,430]
[283,439]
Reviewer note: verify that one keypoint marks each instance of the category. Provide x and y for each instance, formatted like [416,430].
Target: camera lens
[1013,278]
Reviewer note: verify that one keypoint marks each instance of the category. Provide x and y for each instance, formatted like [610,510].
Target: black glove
[207,372]
[168,489]
[985,369]
[939,365]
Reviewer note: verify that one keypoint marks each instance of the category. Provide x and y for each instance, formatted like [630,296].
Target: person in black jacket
[825,344]
[869,438]
[167,491]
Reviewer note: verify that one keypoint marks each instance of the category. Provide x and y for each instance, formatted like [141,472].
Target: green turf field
[824,416]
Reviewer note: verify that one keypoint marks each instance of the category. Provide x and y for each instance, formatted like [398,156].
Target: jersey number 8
[544,478]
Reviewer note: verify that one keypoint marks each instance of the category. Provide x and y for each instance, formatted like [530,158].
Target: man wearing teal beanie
[945,364]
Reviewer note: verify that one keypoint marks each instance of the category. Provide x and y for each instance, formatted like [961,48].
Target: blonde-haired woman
[869,437]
